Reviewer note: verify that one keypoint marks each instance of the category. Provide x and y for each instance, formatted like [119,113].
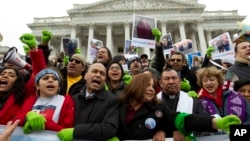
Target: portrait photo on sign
[95,44]
[69,45]
[221,43]
[129,50]
[223,46]
[143,27]
[185,46]
[167,42]
[142,31]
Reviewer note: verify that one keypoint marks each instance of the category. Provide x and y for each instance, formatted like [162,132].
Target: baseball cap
[80,57]
[242,38]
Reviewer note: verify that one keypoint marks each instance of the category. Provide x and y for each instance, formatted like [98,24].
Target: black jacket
[96,118]
[153,117]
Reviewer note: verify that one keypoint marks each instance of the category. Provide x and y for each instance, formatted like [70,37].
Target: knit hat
[239,83]
[242,38]
[46,71]
[80,57]
[133,59]
[229,60]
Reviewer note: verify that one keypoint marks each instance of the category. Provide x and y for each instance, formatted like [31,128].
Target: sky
[16,14]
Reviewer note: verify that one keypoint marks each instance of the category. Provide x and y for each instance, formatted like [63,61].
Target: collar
[99,94]
[174,96]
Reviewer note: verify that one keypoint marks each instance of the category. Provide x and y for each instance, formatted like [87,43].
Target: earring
[37,92]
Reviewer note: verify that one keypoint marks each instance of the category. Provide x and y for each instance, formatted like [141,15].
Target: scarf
[218,100]
[242,60]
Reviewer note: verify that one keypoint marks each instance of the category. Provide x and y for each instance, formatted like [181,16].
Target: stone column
[193,38]
[182,29]
[73,31]
[127,30]
[208,35]
[109,40]
[163,27]
[203,45]
[176,37]
[91,36]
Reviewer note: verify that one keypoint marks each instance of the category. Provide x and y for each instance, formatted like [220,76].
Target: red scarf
[217,101]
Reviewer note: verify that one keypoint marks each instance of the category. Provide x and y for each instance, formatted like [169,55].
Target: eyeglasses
[114,68]
[76,61]
[173,60]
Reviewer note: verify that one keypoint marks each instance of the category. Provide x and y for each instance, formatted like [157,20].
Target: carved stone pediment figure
[135,5]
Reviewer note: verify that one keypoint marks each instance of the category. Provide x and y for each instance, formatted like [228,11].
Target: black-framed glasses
[177,60]
[76,61]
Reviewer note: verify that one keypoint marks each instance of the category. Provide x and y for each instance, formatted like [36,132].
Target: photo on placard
[221,43]
[167,42]
[223,46]
[129,48]
[94,46]
[142,31]
[185,46]
[69,45]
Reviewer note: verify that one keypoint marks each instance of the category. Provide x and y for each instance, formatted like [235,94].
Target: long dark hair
[135,90]
[114,62]
[109,55]
[17,88]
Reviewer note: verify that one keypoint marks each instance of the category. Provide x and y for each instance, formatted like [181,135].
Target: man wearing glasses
[73,75]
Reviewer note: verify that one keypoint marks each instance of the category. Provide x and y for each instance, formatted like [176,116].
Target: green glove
[106,87]
[35,121]
[137,49]
[28,39]
[193,94]
[78,51]
[210,49]
[66,134]
[127,79]
[46,36]
[157,34]
[26,49]
[185,86]
[113,139]
[225,122]
[65,59]
[26,128]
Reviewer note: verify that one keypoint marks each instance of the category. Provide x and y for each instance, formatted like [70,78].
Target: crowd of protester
[155,99]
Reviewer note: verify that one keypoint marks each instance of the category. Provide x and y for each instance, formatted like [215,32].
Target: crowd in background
[157,98]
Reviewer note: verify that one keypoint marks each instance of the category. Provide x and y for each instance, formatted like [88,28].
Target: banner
[46,135]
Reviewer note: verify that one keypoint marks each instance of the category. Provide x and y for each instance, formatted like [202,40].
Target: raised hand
[29,40]
[157,34]
[210,49]
[46,36]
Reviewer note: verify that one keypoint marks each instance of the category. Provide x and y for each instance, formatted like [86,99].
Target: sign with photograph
[167,43]
[94,46]
[69,45]
[194,59]
[142,31]
[223,46]
[130,51]
[184,46]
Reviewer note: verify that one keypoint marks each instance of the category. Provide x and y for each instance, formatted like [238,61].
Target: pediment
[128,5]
